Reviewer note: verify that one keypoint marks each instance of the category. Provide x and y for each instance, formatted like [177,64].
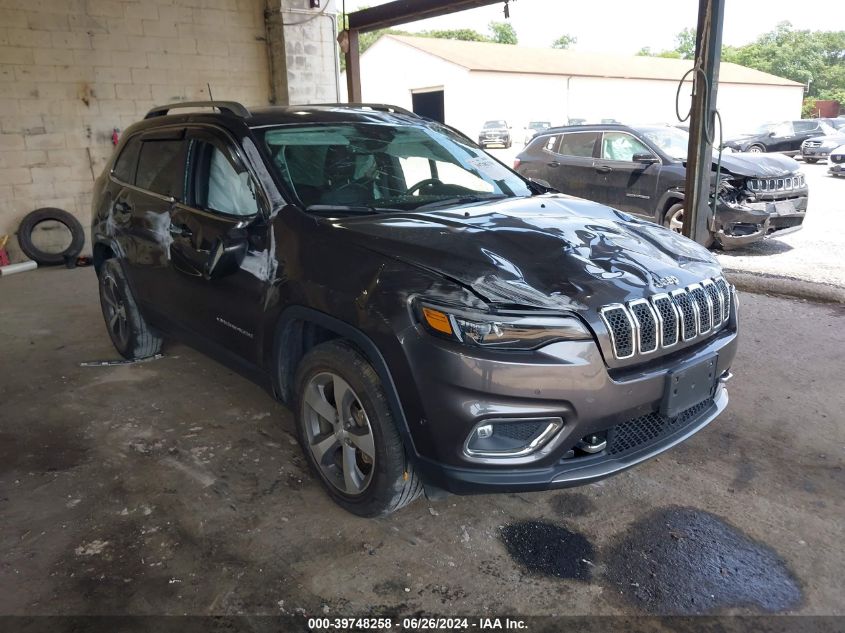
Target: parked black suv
[642,170]
[496,132]
[433,318]
[784,137]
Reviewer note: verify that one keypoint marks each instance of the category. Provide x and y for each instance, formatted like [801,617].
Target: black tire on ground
[811,160]
[46,214]
[393,482]
[130,333]
[672,213]
[756,148]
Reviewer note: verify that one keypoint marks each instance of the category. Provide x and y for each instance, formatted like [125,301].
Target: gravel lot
[813,254]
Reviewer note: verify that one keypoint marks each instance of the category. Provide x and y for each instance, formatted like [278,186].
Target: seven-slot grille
[645,325]
[776,184]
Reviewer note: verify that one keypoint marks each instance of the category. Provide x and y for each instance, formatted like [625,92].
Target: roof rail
[226,107]
[378,107]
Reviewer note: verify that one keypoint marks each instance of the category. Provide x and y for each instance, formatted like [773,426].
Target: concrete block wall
[73,70]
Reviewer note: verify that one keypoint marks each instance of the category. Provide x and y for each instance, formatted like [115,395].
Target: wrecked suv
[434,320]
[642,170]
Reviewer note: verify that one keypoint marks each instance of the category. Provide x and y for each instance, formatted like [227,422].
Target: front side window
[124,166]
[161,167]
[374,166]
[579,144]
[217,185]
[670,140]
[621,146]
[783,129]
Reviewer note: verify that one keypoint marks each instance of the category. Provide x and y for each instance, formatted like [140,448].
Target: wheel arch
[299,329]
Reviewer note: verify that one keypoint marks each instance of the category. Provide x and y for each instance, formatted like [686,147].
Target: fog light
[510,437]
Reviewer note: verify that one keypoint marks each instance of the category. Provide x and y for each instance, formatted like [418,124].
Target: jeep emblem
[662,282]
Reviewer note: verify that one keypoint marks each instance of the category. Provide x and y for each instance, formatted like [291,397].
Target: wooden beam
[353,68]
[404,11]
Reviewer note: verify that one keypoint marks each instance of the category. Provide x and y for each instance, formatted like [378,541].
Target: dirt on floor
[176,487]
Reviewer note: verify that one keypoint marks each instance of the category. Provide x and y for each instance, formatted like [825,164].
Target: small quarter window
[550,144]
[124,166]
[161,167]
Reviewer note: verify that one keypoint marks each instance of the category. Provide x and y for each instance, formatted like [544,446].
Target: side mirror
[772,134]
[226,256]
[645,158]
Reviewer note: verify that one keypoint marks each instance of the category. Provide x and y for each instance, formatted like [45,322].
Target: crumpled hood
[552,251]
[758,165]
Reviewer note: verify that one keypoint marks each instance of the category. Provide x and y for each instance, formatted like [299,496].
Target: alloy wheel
[676,221]
[339,433]
[115,309]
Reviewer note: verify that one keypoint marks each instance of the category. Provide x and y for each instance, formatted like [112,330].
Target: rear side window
[161,167]
[124,166]
[550,143]
[579,144]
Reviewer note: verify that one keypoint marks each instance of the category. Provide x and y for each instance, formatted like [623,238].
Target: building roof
[505,58]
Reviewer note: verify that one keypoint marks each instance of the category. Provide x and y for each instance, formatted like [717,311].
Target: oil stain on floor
[549,549]
[686,561]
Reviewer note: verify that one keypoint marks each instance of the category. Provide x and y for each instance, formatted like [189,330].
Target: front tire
[348,434]
[129,332]
[674,221]
[811,161]
[757,149]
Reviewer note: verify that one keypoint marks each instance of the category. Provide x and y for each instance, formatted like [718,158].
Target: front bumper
[735,227]
[819,153]
[567,380]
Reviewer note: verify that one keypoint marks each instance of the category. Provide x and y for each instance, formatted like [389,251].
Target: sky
[625,26]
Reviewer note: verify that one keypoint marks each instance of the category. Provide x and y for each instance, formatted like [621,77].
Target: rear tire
[129,332]
[674,221]
[338,434]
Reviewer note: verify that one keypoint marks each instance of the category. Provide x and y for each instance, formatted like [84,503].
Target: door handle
[604,169]
[554,163]
[180,230]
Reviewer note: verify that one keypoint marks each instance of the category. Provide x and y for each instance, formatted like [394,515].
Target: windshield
[539,125]
[494,124]
[372,167]
[671,140]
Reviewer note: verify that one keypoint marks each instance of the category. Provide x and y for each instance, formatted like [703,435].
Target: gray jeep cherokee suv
[434,319]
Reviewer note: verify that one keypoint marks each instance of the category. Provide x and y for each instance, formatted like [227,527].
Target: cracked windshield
[370,168]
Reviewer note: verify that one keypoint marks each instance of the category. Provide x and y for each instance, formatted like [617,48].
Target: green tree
[816,58]
[684,47]
[564,41]
[466,35]
[503,33]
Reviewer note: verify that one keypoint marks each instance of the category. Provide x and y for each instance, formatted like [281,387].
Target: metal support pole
[353,67]
[708,55]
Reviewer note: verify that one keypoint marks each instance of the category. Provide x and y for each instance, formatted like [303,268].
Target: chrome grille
[812,143]
[777,184]
[705,310]
[725,291]
[668,319]
[621,329]
[687,311]
[646,322]
[646,325]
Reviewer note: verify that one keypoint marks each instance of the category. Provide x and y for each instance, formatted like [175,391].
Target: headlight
[501,331]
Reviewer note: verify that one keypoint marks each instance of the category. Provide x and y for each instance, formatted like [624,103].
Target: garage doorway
[429,104]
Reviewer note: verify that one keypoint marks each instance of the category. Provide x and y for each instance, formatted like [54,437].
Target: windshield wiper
[448,202]
[324,209]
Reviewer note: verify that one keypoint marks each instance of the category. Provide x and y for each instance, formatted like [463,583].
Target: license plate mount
[689,386]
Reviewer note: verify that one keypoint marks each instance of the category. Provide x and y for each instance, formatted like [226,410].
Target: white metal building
[473,82]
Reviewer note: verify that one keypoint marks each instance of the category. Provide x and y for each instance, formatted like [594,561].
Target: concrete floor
[176,486]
